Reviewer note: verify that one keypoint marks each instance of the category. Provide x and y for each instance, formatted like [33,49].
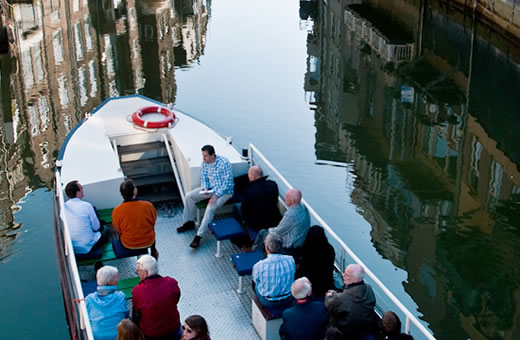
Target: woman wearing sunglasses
[195,328]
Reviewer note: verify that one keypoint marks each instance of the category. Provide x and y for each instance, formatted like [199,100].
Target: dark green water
[423,186]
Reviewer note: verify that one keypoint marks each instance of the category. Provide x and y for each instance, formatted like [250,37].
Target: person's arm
[225,178]
[285,224]
[94,220]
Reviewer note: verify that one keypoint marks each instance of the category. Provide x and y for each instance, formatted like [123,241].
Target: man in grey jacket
[352,310]
[293,227]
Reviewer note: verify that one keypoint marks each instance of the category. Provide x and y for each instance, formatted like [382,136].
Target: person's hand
[213,199]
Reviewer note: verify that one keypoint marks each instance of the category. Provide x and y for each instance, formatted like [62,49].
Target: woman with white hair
[107,306]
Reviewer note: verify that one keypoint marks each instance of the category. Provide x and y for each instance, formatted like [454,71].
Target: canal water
[397,119]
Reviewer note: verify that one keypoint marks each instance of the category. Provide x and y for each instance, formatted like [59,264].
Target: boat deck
[207,283]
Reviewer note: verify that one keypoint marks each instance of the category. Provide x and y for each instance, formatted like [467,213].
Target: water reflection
[69,56]
[430,128]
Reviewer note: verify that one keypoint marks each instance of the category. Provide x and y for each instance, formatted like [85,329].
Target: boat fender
[169,117]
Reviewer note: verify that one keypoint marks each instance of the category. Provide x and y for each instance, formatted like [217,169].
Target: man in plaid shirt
[216,183]
[273,276]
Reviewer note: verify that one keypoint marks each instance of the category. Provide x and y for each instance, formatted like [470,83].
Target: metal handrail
[175,170]
[71,261]
[409,316]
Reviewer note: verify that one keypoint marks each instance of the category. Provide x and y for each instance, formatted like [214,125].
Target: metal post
[218,253]
[240,290]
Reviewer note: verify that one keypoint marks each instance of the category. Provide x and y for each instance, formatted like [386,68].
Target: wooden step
[135,148]
[167,177]
[146,166]
[155,197]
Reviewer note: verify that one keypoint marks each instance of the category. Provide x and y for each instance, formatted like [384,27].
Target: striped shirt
[274,275]
[217,176]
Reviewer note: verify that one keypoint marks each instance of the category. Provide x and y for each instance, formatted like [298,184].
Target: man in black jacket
[259,207]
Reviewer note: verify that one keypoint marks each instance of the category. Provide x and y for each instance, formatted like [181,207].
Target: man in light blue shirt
[84,227]
[273,276]
[292,228]
[216,184]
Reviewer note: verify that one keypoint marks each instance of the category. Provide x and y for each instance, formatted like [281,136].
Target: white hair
[106,275]
[357,273]
[301,288]
[149,263]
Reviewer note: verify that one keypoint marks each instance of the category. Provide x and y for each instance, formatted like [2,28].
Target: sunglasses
[187,329]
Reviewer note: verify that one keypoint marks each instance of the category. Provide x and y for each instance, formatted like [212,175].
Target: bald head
[254,173]
[293,197]
[301,288]
[353,274]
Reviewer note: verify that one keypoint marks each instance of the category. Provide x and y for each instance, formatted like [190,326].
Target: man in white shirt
[84,227]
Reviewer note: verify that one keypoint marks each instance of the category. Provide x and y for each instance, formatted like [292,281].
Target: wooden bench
[125,285]
[243,264]
[226,229]
[266,324]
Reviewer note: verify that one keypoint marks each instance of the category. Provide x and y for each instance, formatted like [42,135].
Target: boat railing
[386,300]
[70,279]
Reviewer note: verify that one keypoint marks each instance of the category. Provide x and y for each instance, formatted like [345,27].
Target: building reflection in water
[70,56]
[421,102]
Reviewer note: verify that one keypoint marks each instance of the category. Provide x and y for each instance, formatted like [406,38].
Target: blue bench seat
[243,264]
[226,229]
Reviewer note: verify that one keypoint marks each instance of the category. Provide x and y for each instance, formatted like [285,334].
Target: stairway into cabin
[149,166]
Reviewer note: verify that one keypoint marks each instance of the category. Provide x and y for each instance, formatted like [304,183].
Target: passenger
[317,263]
[134,220]
[127,330]
[273,276]
[216,180]
[307,319]
[352,310]
[195,328]
[107,306]
[293,226]
[334,334]
[391,326]
[259,208]
[86,232]
[155,302]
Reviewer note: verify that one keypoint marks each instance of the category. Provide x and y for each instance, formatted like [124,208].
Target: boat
[115,142]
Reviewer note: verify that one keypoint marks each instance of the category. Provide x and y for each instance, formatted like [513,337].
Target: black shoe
[196,242]
[190,225]
[98,265]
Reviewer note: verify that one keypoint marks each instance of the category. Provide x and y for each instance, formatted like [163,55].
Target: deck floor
[207,283]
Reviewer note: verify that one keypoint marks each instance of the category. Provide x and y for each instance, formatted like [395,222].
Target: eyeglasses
[187,329]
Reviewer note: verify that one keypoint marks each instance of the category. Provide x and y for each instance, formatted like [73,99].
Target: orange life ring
[169,117]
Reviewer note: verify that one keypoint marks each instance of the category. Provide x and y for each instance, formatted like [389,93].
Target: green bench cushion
[127,285]
[105,215]
[108,254]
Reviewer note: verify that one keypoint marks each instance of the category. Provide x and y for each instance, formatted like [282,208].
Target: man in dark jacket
[307,319]
[259,207]
[352,310]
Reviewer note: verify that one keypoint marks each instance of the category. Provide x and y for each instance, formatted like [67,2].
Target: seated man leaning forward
[154,302]
[216,180]
[352,310]
[273,276]
[259,207]
[134,220]
[85,229]
[293,227]
[107,306]
[307,319]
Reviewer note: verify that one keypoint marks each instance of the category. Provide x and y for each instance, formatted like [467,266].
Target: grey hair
[149,263]
[301,288]
[273,243]
[356,272]
[105,275]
